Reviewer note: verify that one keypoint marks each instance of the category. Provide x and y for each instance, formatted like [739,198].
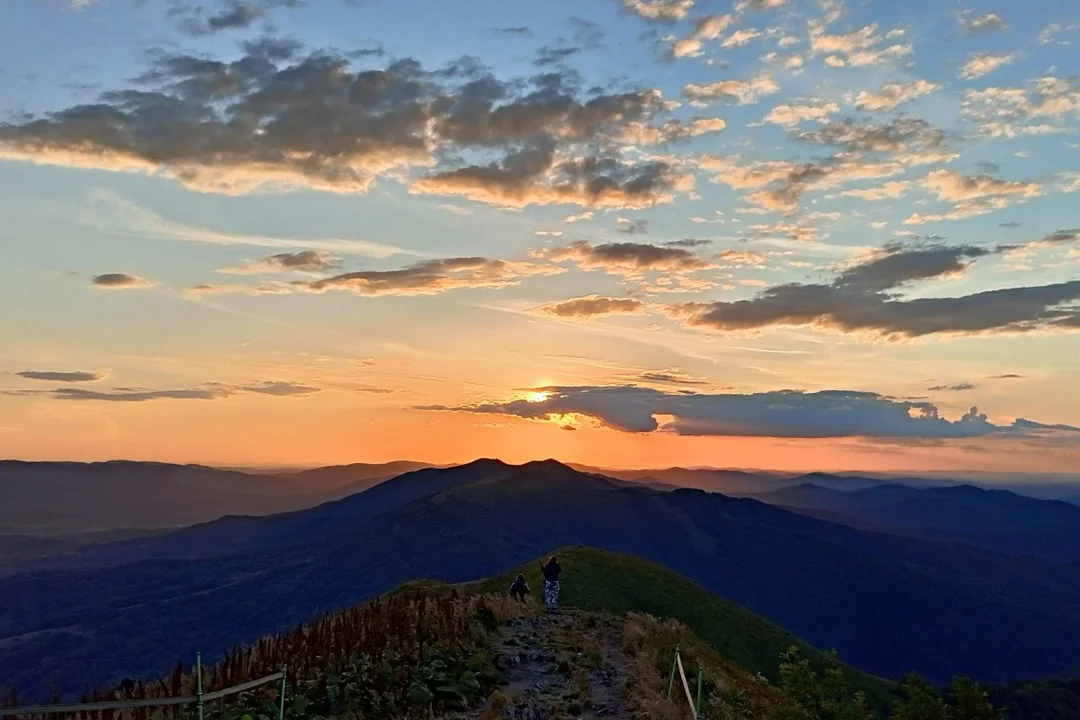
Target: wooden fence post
[281,699]
[198,683]
[671,680]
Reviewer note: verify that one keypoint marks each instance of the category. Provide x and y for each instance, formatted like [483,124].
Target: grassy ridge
[605,581]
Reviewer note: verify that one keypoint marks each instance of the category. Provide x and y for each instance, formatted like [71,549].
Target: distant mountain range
[58,498]
[992,519]
[886,602]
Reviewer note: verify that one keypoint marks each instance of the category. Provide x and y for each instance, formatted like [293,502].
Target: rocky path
[568,665]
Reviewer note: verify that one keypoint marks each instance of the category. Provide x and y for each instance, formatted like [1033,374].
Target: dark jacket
[519,587]
[551,571]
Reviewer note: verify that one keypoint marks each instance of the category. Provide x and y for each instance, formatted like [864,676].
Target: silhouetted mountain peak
[548,465]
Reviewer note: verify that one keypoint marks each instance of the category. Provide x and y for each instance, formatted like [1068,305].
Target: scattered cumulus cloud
[120,281]
[312,261]
[867,298]
[744,92]
[793,115]
[982,64]
[973,23]
[593,306]
[668,10]
[893,95]
[780,413]
[705,29]
[627,258]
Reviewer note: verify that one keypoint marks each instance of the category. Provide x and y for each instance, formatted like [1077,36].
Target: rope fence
[677,666]
[199,698]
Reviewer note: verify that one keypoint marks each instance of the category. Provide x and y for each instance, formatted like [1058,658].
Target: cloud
[857,48]
[791,116]
[532,176]
[209,391]
[958,387]
[1050,32]
[780,414]
[745,92]
[660,9]
[888,191]
[980,23]
[688,243]
[55,376]
[631,227]
[759,4]
[281,389]
[866,298]
[424,278]
[306,261]
[983,64]
[141,395]
[112,213]
[628,258]
[893,95]
[669,376]
[233,15]
[780,184]
[670,130]
[456,209]
[1012,112]
[554,54]
[705,28]
[592,306]
[789,231]
[120,281]
[513,32]
[577,217]
[268,121]
[740,38]
[972,194]
[910,141]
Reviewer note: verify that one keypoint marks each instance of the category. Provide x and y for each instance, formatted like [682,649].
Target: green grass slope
[611,582]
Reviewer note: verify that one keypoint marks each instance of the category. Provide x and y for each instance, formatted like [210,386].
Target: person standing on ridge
[519,589]
[551,583]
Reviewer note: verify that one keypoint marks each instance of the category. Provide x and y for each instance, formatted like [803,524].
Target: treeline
[814,696]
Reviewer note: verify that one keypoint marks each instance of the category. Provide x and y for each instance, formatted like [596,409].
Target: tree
[814,697]
[969,701]
[858,708]
[920,701]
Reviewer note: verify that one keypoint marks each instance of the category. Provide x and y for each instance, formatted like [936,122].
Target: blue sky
[344,224]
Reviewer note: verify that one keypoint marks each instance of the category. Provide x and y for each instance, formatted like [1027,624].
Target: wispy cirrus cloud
[209,391]
[429,277]
[109,212]
[61,376]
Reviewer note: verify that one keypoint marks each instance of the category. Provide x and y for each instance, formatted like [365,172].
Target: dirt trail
[566,665]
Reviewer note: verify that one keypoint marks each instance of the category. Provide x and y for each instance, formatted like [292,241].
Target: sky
[773,234]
